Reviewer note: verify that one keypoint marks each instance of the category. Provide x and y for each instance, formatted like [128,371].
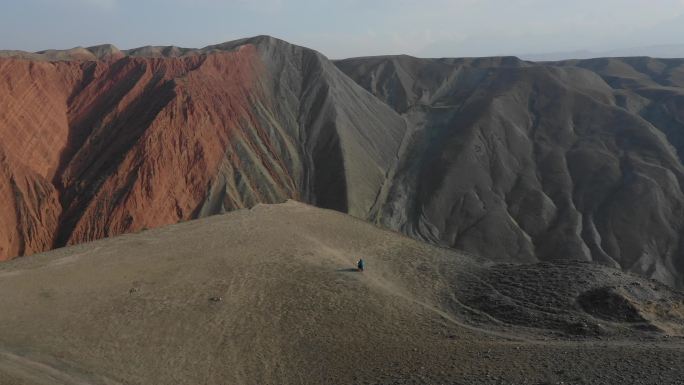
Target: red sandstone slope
[108,139]
[91,149]
[34,127]
[148,136]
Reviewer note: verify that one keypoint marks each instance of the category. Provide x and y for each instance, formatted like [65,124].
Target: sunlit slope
[269,295]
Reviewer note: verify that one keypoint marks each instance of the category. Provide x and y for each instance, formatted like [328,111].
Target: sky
[347,28]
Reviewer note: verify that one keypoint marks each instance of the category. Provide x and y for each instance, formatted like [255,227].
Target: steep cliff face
[337,140]
[520,161]
[147,137]
[34,128]
[103,147]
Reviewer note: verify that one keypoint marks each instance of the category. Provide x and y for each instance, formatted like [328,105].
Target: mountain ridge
[504,125]
[255,123]
[101,51]
[505,158]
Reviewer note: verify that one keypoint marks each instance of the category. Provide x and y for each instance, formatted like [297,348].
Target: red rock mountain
[94,148]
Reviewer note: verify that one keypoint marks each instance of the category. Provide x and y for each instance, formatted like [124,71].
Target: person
[360,265]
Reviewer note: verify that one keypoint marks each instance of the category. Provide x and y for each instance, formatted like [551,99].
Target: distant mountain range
[505,158]
[657,51]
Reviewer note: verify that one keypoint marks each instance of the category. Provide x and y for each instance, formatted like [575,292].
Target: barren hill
[522,161]
[269,295]
[97,148]
[508,159]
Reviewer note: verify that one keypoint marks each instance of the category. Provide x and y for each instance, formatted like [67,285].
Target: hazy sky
[344,28]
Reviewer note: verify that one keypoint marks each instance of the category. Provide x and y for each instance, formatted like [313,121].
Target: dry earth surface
[269,296]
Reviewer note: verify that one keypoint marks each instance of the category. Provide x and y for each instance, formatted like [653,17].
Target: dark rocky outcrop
[521,161]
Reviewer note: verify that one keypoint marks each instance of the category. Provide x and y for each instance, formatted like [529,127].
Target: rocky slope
[93,148]
[269,296]
[522,161]
[508,159]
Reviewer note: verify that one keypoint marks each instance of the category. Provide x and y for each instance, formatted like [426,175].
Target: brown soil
[271,296]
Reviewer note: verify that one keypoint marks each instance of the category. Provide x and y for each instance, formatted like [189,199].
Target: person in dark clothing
[360,265]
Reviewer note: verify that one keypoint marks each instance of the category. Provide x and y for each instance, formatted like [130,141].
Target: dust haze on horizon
[535,29]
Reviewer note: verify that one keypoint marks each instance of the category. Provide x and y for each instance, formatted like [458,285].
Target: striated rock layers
[92,149]
[521,161]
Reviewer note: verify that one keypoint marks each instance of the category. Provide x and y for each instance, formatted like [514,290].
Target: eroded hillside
[94,148]
[508,159]
[270,295]
[521,161]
